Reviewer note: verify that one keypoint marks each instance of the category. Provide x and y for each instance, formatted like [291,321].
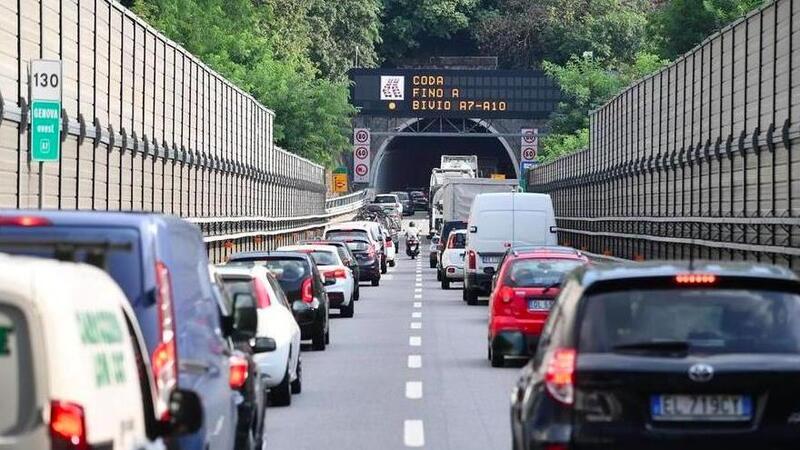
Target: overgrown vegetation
[293,55]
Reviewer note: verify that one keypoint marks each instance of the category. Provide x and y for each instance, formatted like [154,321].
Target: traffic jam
[100,310]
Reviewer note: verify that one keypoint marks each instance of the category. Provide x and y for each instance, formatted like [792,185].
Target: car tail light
[238,371]
[165,355]
[506,294]
[472,258]
[560,375]
[262,296]
[24,221]
[371,251]
[556,447]
[696,278]
[307,295]
[338,273]
[67,426]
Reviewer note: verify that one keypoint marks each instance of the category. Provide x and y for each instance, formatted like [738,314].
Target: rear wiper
[655,346]
[551,286]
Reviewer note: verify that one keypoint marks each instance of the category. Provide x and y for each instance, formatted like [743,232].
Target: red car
[526,287]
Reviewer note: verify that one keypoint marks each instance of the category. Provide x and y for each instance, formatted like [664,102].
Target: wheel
[281,395]
[328,337]
[297,385]
[438,275]
[391,263]
[318,339]
[497,359]
[376,281]
[383,265]
[357,293]
[245,440]
[347,310]
[470,296]
[445,283]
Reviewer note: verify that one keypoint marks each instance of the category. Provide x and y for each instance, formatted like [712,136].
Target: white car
[390,203]
[338,278]
[282,369]
[451,263]
[69,347]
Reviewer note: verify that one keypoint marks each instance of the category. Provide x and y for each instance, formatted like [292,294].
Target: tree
[681,24]
[513,32]
[410,23]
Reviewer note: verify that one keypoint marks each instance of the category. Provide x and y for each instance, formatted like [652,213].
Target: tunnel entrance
[405,162]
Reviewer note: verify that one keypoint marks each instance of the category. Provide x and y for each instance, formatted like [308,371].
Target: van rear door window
[16,372]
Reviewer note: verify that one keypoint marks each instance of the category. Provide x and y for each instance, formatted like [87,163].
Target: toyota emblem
[701,373]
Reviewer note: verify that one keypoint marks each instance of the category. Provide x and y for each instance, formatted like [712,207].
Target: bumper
[515,343]
[340,293]
[478,281]
[454,273]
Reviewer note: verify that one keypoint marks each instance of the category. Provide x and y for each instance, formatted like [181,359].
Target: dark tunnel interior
[408,160]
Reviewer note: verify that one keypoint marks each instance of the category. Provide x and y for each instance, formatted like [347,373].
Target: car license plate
[696,408]
[491,259]
[539,305]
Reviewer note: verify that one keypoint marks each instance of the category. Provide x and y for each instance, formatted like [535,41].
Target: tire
[357,293]
[318,339]
[281,395]
[471,297]
[376,281]
[327,337]
[391,263]
[348,310]
[438,275]
[445,283]
[297,385]
[497,359]
[383,265]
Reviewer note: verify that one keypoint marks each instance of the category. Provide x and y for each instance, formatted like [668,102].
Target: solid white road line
[417,304]
[415,341]
[413,390]
[416,315]
[413,433]
[416,325]
[414,361]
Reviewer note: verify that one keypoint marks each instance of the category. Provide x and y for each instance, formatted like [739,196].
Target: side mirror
[264,345]
[245,315]
[185,413]
[329,281]
[473,229]
[553,229]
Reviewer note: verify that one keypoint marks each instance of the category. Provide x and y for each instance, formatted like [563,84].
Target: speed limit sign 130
[45,97]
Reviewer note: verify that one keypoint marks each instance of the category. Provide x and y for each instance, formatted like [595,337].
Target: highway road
[408,371]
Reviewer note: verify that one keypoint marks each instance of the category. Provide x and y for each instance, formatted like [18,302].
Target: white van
[497,222]
[71,363]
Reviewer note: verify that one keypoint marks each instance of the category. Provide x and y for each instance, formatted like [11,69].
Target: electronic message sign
[511,94]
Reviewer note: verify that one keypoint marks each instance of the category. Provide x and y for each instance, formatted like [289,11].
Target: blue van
[160,263]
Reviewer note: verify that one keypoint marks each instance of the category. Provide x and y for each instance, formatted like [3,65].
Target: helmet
[411,224]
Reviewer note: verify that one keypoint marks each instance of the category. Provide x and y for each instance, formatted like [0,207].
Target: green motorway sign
[45,130]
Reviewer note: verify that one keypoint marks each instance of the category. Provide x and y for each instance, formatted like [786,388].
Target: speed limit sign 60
[361,152]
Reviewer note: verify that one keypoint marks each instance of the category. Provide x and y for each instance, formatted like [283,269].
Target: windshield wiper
[551,286]
[655,346]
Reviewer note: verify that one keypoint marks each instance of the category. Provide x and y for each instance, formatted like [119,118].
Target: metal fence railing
[146,126]
[697,160]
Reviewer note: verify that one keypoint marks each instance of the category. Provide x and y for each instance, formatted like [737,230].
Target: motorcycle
[412,246]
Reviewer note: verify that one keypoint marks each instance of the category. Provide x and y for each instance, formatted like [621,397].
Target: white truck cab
[71,363]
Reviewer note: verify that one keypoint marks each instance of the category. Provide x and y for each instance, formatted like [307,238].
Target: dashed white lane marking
[416,315]
[418,285]
[387,277]
[415,341]
[418,289]
[416,325]
[414,361]
[417,304]
[413,433]
[413,390]
[417,295]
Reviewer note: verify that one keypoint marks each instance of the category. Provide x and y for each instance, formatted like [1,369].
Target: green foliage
[267,48]
[682,24]
[410,23]
[556,145]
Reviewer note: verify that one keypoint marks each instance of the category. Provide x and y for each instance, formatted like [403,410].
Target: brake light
[165,356]
[24,221]
[262,296]
[338,273]
[696,278]
[506,294]
[560,376]
[472,259]
[238,371]
[67,426]
[306,292]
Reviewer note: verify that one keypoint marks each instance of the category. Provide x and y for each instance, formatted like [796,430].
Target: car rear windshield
[347,235]
[384,199]
[323,258]
[357,246]
[457,241]
[701,321]
[287,271]
[402,196]
[538,272]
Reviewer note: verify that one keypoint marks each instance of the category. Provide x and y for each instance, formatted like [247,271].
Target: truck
[459,162]
[453,199]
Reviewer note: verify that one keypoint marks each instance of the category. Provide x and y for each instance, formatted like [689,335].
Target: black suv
[302,283]
[666,356]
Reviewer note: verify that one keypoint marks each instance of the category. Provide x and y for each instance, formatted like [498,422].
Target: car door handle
[195,366]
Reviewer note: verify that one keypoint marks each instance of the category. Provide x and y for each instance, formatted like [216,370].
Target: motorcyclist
[412,232]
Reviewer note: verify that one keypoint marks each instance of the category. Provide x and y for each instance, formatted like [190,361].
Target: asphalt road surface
[408,371]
